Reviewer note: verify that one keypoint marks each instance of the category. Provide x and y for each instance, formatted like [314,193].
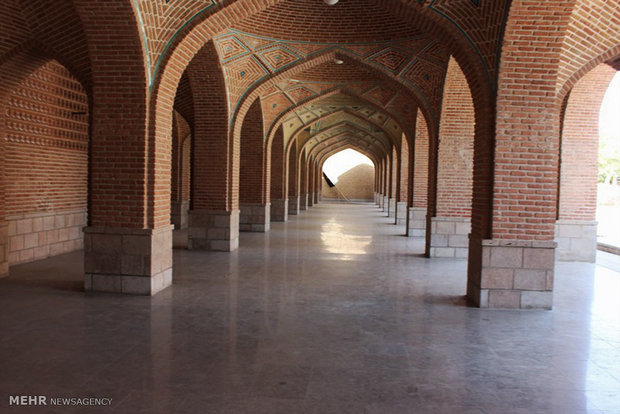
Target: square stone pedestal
[279,210]
[4,249]
[213,230]
[401,212]
[417,222]
[129,261]
[293,205]
[179,214]
[576,240]
[254,217]
[449,236]
[391,207]
[303,202]
[514,274]
[382,202]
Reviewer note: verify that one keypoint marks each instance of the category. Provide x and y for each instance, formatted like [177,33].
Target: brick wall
[579,146]
[456,139]
[420,178]
[46,155]
[254,169]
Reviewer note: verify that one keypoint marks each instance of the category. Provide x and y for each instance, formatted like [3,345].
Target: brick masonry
[449,237]
[179,214]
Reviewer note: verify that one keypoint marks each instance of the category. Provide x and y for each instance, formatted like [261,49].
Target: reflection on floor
[332,312]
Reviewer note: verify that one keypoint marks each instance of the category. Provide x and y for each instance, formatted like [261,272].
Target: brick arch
[320,153]
[281,118]
[376,162]
[591,37]
[315,60]
[120,127]
[211,146]
[353,129]
[330,127]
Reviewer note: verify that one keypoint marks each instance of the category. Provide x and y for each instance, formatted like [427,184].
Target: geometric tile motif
[391,59]
[426,76]
[277,57]
[300,93]
[361,49]
[229,48]
[381,95]
[240,75]
[254,42]
[436,52]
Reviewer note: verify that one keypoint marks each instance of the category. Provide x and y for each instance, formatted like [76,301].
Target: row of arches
[179,129]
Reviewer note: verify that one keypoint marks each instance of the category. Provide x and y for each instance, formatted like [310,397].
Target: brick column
[179,199]
[417,213]
[452,221]
[293,181]
[514,206]
[401,205]
[310,174]
[4,228]
[128,241]
[254,183]
[575,230]
[392,183]
[279,178]
[303,182]
[214,213]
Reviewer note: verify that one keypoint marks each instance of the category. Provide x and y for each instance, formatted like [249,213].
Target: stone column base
[213,230]
[316,198]
[310,200]
[179,214]
[4,249]
[382,202]
[576,240]
[391,207]
[514,274]
[293,205]
[449,236]
[401,212]
[128,261]
[279,210]
[303,202]
[417,222]
[254,217]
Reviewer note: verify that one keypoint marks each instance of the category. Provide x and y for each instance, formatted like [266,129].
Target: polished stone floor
[332,312]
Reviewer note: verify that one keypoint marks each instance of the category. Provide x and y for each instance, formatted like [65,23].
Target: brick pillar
[279,178]
[417,213]
[401,205]
[575,230]
[254,174]
[303,182]
[310,181]
[452,221]
[214,213]
[293,181]
[514,206]
[128,242]
[392,183]
[4,228]
[179,198]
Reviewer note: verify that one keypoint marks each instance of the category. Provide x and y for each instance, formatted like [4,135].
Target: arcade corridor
[330,312]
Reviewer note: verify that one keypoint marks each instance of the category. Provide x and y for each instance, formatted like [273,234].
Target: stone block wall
[254,217]
[37,236]
[576,240]
[515,274]
[417,222]
[449,236]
